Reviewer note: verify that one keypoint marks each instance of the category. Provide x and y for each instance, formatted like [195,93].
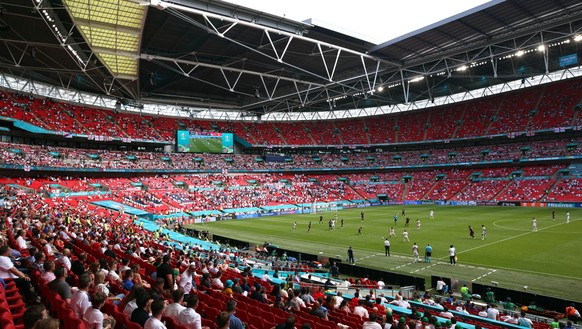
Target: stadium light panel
[541,48]
[112,30]
[578,37]
[519,53]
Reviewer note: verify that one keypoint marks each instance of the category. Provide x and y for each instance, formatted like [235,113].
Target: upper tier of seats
[537,108]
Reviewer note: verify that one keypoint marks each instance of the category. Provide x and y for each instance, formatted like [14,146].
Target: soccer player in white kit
[392,233]
[405,236]
[568,217]
[415,256]
[418,224]
[431,215]
[534,224]
[483,232]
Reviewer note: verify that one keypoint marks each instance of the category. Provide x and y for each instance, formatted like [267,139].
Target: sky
[376,21]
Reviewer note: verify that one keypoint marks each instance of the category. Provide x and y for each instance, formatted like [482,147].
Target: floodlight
[419,78]
[519,53]
[541,48]
[462,68]
[381,88]
[578,37]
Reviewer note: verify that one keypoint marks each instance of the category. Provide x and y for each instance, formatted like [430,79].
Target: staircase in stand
[494,198]
[461,119]
[426,128]
[495,115]
[354,190]
[425,195]
[405,191]
[338,135]
[309,134]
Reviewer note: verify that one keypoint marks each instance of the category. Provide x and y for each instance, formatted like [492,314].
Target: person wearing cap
[228,288]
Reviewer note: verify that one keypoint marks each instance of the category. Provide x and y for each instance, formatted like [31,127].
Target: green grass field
[547,261]
[206,145]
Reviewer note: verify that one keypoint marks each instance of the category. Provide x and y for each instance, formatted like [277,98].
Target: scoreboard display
[204,142]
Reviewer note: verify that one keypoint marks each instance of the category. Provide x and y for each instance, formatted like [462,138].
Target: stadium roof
[216,55]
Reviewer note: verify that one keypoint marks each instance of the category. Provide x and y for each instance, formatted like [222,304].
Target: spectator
[94,318]
[80,299]
[154,322]
[189,317]
[176,307]
[235,323]
[142,313]
[60,286]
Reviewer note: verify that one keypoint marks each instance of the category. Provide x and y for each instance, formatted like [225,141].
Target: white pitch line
[509,238]
[484,275]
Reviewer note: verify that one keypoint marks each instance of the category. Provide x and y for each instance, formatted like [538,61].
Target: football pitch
[206,145]
[548,261]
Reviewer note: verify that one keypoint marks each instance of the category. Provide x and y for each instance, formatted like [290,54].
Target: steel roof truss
[267,89]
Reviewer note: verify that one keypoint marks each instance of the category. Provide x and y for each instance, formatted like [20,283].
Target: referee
[387,247]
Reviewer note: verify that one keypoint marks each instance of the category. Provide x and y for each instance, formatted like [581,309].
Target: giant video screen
[204,142]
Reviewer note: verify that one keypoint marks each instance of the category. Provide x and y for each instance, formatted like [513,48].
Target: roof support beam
[150,57]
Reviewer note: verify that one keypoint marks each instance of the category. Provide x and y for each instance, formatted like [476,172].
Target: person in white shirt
[371,323]
[452,255]
[399,301]
[380,284]
[186,280]
[94,318]
[9,271]
[154,322]
[360,310]
[300,303]
[338,299]
[505,316]
[112,274]
[189,317]
[446,314]
[174,309]
[405,236]
[492,313]
[80,300]
[65,260]
[265,277]
[21,240]
[48,247]
[217,282]
[441,286]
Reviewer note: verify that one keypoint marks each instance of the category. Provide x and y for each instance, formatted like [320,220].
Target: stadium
[200,164]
